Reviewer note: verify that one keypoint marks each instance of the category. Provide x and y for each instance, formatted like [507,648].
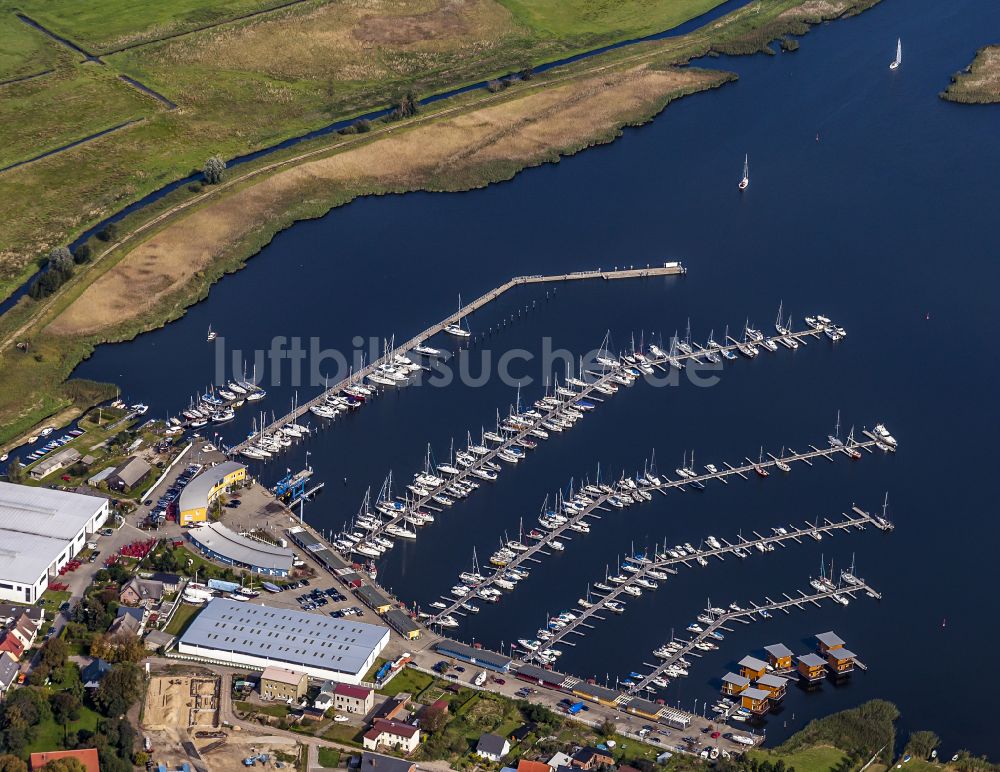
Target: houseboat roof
[736,680]
[830,639]
[754,693]
[778,650]
[774,681]
[841,654]
[753,663]
[811,660]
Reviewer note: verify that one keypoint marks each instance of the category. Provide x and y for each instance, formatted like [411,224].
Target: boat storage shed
[41,530]
[229,632]
[220,543]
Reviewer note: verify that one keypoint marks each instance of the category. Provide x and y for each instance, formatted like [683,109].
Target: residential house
[560,759]
[9,668]
[348,698]
[140,592]
[592,758]
[492,747]
[521,733]
[11,644]
[524,765]
[128,475]
[25,630]
[375,762]
[170,582]
[94,673]
[9,612]
[129,620]
[392,734]
[87,757]
[392,707]
[278,683]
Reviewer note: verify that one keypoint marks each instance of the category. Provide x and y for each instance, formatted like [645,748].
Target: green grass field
[593,19]
[821,758]
[24,50]
[105,25]
[64,107]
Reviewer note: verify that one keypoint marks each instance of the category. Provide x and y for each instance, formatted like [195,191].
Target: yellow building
[751,667]
[198,495]
[733,684]
[840,660]
[779,655]
[755,700]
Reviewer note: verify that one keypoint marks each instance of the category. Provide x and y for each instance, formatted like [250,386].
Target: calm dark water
[883,224]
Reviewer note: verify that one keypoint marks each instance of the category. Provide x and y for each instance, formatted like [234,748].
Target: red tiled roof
[533,766]
[382,726]
[10,643]
[87,757]
[349,690]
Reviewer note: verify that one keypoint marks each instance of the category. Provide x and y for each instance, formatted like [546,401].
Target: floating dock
[748,615]
[601,503]
[856,520]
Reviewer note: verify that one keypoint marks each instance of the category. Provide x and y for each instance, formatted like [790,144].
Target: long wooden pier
[755,612]
[667,269]
[638,569]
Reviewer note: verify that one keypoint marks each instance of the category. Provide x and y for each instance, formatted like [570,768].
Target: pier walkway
[667,269]
[536,424]
[639,569]
[756,611]
[600,502]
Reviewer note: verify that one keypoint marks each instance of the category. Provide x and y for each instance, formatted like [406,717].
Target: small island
[979,83]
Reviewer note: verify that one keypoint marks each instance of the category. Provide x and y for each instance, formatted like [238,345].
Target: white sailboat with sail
[745,182]
[894,64]
[456,328]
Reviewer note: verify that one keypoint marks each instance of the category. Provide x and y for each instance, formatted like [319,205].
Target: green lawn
[278,710]
[343,733]
[592,19]
[821,758]
[329,757]
[181,619]
[49,735]
[410,680]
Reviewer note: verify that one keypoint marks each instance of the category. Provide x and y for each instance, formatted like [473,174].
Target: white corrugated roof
[219,539]
[293,638]
[45,512]
[36,526]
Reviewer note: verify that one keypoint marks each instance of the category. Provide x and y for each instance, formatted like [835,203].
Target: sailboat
[745,182]
[894,64]
[212,334]
[456,328]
